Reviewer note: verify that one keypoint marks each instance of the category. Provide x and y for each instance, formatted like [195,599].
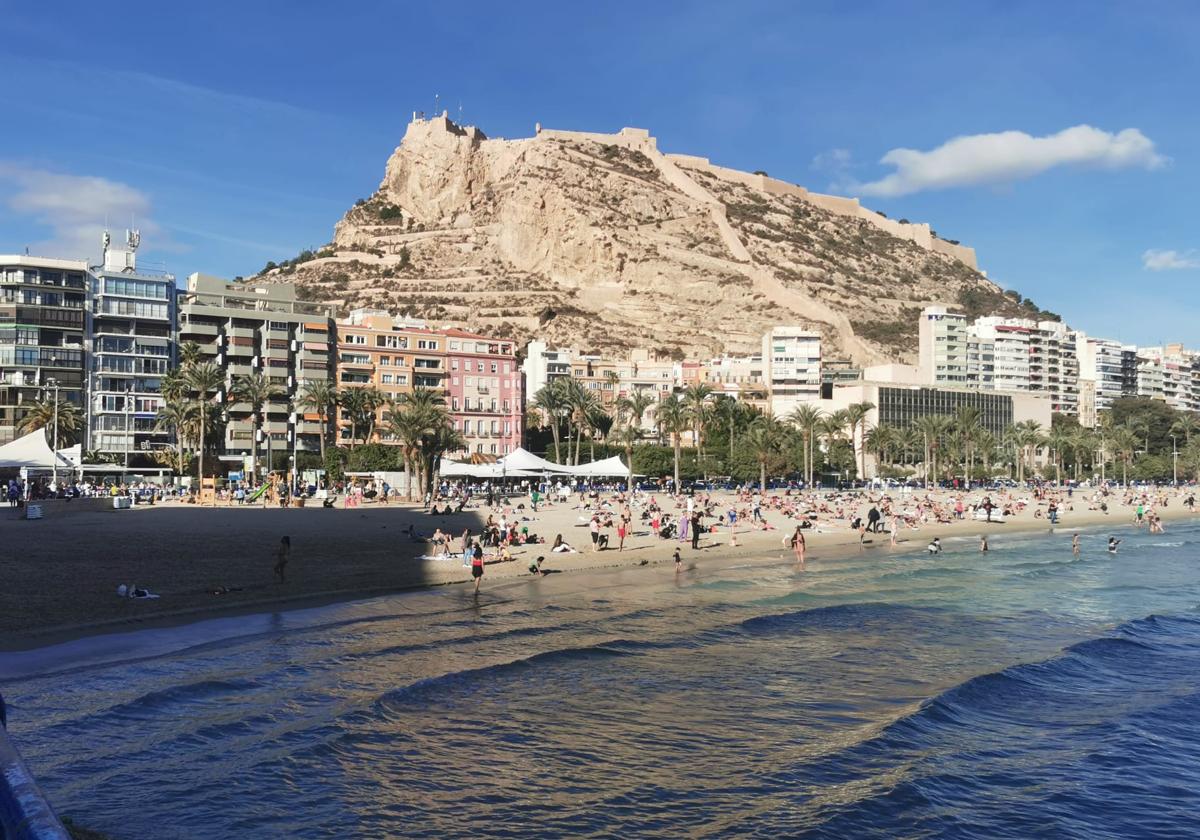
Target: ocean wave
[458,680]
[975,746]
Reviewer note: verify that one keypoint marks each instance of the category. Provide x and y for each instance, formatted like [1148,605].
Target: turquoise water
[1024,692]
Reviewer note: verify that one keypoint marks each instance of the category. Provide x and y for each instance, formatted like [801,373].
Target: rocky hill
[604,243]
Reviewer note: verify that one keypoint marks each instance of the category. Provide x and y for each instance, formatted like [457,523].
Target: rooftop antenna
[436,98]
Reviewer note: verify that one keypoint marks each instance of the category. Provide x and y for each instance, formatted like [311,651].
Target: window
[506,368]
[387,379]
[453,345]
[402,379]
[506,405]
[494,367]
[386,361]
[426,344]
[356,339]
[455,380]
[454,404]
[454,364]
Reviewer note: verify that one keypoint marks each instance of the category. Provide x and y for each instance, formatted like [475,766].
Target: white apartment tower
[791,367]
[944,352]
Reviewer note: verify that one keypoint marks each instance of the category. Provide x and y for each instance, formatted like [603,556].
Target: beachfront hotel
[791,367]
[247,329]
[42,328]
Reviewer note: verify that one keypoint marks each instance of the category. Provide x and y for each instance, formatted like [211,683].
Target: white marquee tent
[31,452]
[522,464]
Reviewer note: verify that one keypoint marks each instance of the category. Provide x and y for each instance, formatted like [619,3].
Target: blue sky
[239,133]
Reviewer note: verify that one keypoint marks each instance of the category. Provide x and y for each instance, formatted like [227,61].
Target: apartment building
[260,329]
[944,357]
[1014,354]
[543,365]
[392,354]
[791,367]
[486,391]
[131,345]
[42,329]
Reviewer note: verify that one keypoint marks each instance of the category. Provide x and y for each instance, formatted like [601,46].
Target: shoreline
[828,545]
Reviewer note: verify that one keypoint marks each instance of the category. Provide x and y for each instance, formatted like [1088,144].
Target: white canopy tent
[523,459]
[31,452]
[598,469]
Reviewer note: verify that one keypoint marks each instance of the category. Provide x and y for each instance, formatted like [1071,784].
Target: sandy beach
[61,575]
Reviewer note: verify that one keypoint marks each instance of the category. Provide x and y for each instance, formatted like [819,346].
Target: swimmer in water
[1113,542]
[1075,545]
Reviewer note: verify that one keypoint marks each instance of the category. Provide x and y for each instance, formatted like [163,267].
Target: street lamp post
[128,425]
[1174,462]
[53,384]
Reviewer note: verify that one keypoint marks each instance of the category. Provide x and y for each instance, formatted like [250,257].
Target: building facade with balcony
[486,392]
[394,355]
[131,346]
[42,328]
[791,368]
[263,329]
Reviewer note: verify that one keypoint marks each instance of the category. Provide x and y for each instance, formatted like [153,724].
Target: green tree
[671,417]
[695,400]
[319,396]
[53,415]
[256,389]
[806,418]
[203,380]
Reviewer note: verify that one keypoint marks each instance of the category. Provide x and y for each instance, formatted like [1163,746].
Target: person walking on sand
[621,535]
[1075,545]
[732,526]
[895,529]
[678,561]
[798,546]
[477,566]
[695,530]
[282,554]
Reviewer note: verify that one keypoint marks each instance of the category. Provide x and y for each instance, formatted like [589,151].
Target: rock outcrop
[602,242]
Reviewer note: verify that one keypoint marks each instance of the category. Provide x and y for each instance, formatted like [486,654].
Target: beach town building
[392,354]
[42,328]
[791,367]
[942,346]
[486,392]
[265,329]
[1170,373]
[543,365]
[1107,372]
[1014,354]
[131,346]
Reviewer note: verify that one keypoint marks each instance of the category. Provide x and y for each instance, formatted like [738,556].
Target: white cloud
[74,208]
[834,160]
[1010,156]
[1157,259]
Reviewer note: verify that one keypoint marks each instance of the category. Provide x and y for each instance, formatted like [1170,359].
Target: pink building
[485,392]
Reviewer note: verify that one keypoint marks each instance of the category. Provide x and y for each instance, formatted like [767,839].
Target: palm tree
[255,389]
[177,417]
[765,440]
[695,398]
[832,427]
[190,355]
[551,401]
[1027,437]
[805,417]
[1124,441]
[1186,425]
[202,380]
[1059,439]
[671,415]
[630,411]
[580,403]
[856,416]
[321,397]
[52,414]
[413,418]
[933,428]
[360,405]
[966,424]
[726,411]
[882,440]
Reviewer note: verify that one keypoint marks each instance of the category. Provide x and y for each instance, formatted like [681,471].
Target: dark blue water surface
[1022,693]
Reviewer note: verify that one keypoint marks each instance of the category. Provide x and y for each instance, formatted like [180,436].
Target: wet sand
[60,575]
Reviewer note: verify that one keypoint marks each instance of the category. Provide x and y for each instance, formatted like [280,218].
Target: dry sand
[60,575]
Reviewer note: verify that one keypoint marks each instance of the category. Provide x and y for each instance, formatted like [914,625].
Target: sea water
[1021,693]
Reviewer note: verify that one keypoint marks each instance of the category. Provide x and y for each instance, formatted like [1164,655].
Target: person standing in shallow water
[1075,545]
[282,555]
[798,546]
[477,565]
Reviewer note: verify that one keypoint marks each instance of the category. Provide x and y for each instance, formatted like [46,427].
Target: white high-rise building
[1010,341]
[791,359]
[1036,356]
[542,364]
[944,350]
